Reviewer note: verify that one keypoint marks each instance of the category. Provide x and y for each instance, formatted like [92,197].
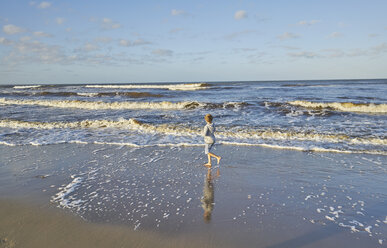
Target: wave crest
[344,106]
[98,105]
[199,86]
[178,130]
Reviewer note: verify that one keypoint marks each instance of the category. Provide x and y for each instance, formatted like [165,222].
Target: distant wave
[177,130]
[199,86]
[84,94]
[343,106]
[26,86]
[121,105]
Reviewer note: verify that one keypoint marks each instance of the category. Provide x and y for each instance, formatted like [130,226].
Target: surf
[182,87]
[343,106]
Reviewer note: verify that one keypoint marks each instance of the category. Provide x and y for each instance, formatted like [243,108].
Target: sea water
[345,116]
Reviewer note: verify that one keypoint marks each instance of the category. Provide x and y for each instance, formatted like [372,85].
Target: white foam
[88,94]
[103,105]
[26,86]
[61,196]
[344,106]
[183,87]
[303,149]
[6,143]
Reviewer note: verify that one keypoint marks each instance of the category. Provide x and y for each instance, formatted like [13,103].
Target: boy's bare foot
[207,165]
[218,158]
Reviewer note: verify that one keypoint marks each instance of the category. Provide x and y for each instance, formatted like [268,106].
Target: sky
[114,41]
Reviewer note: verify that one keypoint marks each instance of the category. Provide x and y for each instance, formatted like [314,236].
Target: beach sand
[78,195]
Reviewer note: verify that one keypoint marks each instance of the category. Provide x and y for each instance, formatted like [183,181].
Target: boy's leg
[215,156]
[206,151]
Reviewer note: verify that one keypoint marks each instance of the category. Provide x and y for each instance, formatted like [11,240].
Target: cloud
[41,34]
[108,24]
[176,30]
[372,51]
[25,38]
[104,40]
[240,14]
[44,5]
[335,35]
[287,35]
[304,54]
[12,29]
[33,52]
[59,20]
[308,23]
[128,43]
[238,34]
[89,47]
[373,35]
[291,48]
[177,12]
[5,41]
[162,52]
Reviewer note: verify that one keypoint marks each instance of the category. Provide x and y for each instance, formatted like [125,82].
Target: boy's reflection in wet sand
[208,195]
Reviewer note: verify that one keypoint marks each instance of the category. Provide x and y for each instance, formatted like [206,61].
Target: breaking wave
[84,94]
[199,86]
[26,86]
[344,106]
[178,130]
[121,105]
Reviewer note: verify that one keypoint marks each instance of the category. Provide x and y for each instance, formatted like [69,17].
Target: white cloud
[109,24]
[25,38]
[342,53]
[162,52]
[44,5]
[88,47]
[60,20]
[140,42]
[238,34]
[177,12]
[240,14]
[32,3]
[287,35]
[128,43]
[308,23]
[5,41]
[335,35]
[104,40]
[12,29]
[176,30]
[304,54]
[125,43]
[291,48]
[42,34]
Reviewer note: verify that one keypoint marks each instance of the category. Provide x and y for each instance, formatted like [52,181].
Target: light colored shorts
[207,147]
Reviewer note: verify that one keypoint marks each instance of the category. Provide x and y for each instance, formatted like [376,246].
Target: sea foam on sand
[312,199]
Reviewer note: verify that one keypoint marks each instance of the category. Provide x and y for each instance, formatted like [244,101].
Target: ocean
[342,116]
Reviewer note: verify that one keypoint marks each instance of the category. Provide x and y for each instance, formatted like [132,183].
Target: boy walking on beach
[209,139]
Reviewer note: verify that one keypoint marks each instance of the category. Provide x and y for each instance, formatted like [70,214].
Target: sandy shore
[74,195]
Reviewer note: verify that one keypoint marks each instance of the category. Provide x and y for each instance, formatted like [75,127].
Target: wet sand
[75,195]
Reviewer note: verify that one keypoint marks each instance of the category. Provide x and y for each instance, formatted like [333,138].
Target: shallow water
[277,197]
[347,116]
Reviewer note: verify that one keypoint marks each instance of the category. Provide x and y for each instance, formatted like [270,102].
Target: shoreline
[262,196]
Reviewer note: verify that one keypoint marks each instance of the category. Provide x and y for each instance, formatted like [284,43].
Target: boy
[209,139]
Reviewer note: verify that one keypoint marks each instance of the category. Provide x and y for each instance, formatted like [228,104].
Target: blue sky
[188,41]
